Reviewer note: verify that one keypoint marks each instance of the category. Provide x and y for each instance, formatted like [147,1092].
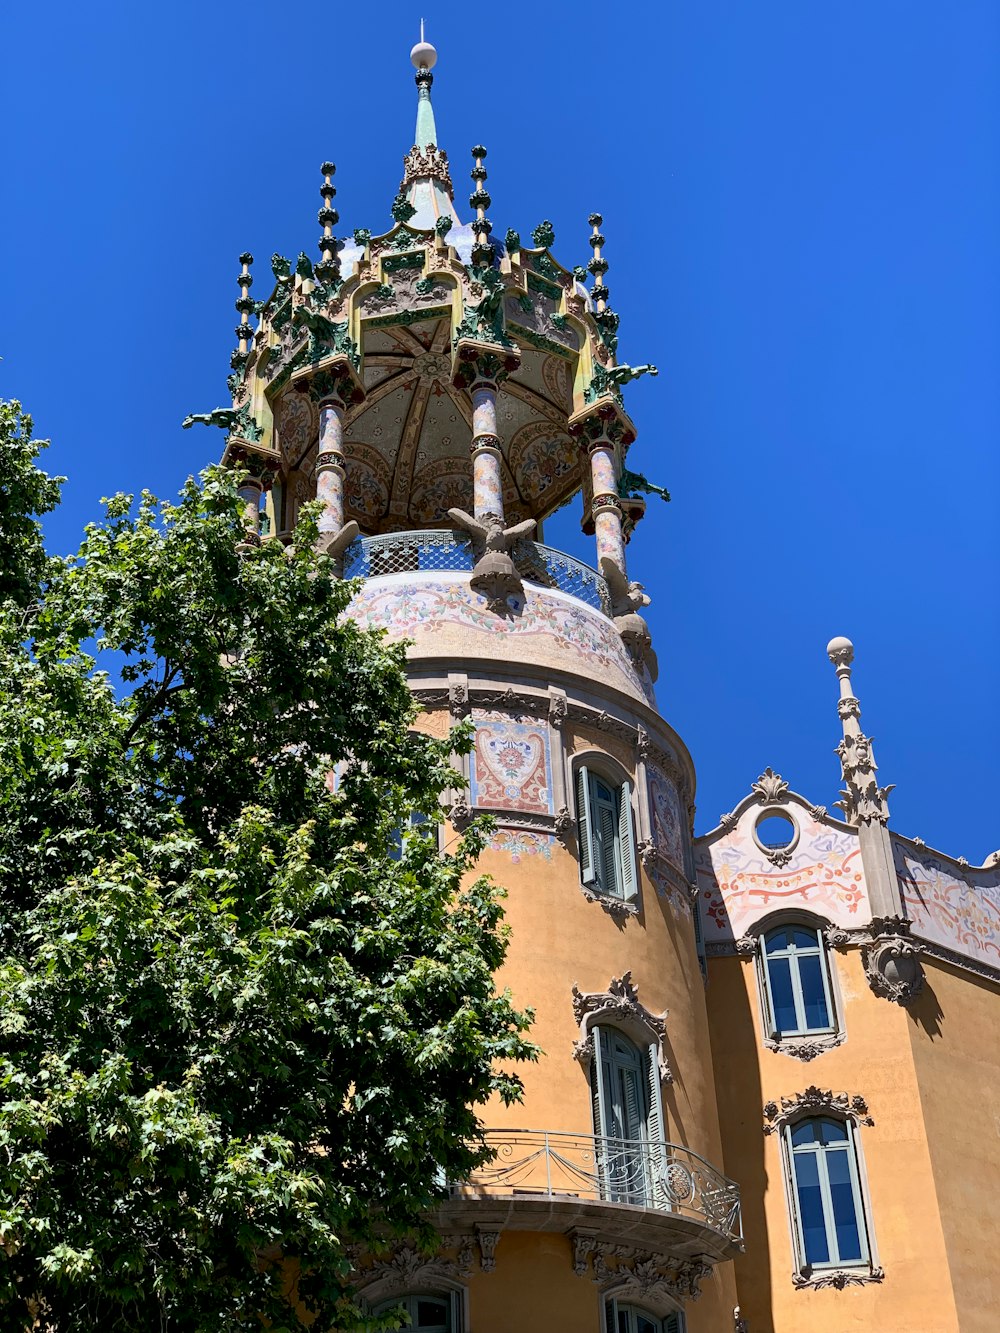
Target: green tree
[237,1021]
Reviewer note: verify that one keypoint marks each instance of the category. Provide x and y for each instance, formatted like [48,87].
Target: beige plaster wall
[953,1030]
[877,1062]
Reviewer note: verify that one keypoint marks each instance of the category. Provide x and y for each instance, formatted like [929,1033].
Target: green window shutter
[584,825]
[626,842]
[672,1324]
[604,811]
[764,982]
[597,1085]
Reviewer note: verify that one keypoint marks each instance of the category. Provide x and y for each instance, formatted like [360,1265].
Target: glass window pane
[779,978]
[801,938]
[777,939]
[813,993]
[831,1131]
[845,1216]
[644,1325]
[806,1131]
[814,1236]
[623,1321]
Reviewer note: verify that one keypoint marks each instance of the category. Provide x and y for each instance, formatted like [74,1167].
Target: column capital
[477,363]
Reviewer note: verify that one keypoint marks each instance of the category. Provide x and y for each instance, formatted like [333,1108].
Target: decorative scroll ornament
[838,1277]
[805,1049]
[658,1279]
[815,1101]
[619,1004]
[408,1267]
[619,909]
[770,786]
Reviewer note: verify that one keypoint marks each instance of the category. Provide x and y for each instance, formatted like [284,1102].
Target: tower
[442,392]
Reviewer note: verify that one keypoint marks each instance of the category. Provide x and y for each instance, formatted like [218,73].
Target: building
[770,1094]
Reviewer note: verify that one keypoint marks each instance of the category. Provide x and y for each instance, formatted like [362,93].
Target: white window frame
[626,880]
[859,1193]
[811,1041]
[653,1130]
[670,1323]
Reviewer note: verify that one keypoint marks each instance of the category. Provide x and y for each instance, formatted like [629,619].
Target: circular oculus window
[775,831]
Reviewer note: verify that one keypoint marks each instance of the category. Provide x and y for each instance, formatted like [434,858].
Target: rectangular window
[826,1194]
[794,976]
[606,835]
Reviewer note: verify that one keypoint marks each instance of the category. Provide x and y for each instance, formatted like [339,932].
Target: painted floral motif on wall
[738,884]
[590,640]
[510,766]
[960,912]
[665,815]
[517,844]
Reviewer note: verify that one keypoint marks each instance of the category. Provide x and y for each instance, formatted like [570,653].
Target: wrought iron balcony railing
[440,548]
[645,1173]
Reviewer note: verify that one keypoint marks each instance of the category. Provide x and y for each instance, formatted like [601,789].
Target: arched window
[432,1312]
[628,1116]
[796,981]
[605,833]
[620,1318]
[830,1227]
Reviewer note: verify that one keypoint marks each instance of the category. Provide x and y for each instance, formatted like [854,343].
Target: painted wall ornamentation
[956,908]
[510,766]
[409,608]
[517,843]
[665,818]
[738,884]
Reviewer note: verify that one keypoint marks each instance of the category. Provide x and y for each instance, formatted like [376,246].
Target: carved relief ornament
[619,1005]
[815,1101]
[408,1267]
[660,1280]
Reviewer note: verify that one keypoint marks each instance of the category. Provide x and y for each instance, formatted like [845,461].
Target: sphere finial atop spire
[423,54]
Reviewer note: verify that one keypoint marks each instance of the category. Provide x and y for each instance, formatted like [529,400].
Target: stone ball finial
[423,55]
[840,649]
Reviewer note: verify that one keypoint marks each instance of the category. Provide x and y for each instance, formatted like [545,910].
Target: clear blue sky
[802,205]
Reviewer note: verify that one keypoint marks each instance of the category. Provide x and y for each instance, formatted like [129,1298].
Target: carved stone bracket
[892,966]
[487,1248]
[619,1004]
[619,909]
[564,823]
[838,1278]
[458,699]
[740,1324]
[815,1101]
[584,1243]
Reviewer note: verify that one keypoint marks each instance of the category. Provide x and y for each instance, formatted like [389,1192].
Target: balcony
[443,549]
[652,1193]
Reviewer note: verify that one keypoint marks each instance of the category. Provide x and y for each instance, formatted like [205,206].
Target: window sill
[618,908]
[837,1277]
[807,1046]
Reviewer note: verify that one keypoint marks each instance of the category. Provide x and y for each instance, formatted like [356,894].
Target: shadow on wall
[735,1057]
[926,1010]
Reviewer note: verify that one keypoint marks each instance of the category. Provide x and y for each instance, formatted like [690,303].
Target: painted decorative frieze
[426,610]
[739,882]
[955,907]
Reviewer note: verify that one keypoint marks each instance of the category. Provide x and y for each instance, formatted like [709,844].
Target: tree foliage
[239,1028]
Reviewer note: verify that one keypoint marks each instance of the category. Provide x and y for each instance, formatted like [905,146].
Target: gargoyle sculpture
[633,484]
[226,417]
[611,378]
[494,574]
[281,268]
[626,601]
[335,544]
[236,420]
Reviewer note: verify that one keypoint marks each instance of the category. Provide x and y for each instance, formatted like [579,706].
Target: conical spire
[426,181]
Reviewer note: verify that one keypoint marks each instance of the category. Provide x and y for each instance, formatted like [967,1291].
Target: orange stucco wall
[953,1029]
[877,1062]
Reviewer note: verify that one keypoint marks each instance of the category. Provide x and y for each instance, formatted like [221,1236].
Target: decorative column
[330,466]
[864,802]
[487,482]
[606,507]
[250,493]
